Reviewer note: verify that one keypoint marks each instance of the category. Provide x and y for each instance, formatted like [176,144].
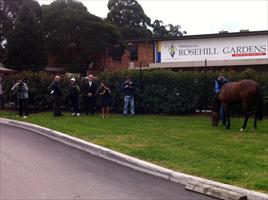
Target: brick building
[236,50]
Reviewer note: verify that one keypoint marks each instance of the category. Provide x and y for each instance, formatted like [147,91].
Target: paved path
[35,167]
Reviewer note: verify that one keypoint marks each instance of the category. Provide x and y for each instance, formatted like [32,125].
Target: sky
[197,16]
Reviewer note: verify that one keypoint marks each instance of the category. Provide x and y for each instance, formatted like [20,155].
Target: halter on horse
[245,92]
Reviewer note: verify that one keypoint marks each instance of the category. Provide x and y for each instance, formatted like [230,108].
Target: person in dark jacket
[74,91]
[56,92]
[128,90]
[90,94]
[105,99]
[21,91]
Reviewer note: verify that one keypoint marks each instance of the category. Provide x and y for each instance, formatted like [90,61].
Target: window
[133,53]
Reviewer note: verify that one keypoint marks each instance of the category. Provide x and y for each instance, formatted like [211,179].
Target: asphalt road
[35,167]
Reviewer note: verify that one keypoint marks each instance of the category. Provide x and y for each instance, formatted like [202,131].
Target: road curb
[128,161]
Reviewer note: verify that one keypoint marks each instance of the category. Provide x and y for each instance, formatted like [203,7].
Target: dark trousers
[90,105]
[1,102]
[75,104]
[57,106]
[23,107]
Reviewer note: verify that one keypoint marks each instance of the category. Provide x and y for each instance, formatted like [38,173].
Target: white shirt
[90,83]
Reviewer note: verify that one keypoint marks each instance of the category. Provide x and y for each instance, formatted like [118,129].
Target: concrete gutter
[131,162]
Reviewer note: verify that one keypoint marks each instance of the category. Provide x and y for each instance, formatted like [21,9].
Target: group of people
[90,92]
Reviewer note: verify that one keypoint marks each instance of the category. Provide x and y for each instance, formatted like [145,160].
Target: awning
[3,69]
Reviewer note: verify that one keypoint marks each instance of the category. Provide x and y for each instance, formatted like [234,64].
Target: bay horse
[245,92]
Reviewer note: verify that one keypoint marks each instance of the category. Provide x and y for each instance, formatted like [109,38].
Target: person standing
[218,85]
[105,99]
[74,91]
[1,94]
[56,92]
[21,90]
[128,90]
[90,94]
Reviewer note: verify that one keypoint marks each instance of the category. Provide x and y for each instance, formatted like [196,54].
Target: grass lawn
[187,144]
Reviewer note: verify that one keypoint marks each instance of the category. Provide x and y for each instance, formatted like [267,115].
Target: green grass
[186,144]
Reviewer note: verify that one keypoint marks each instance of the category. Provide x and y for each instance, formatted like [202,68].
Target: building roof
[54,69]
[186,37]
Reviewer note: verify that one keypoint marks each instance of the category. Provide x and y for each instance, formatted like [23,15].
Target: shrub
[157,91]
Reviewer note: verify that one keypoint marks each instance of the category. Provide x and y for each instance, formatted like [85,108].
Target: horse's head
[215,118]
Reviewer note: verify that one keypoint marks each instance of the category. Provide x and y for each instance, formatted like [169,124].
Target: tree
[160,30]
[129,17]
[73,35]
[25,41]
[8,13]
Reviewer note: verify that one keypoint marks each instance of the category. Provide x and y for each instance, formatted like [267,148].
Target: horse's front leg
[245,121]
[223,115]
[227,115]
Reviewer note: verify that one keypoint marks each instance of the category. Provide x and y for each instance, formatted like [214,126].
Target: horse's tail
[259,102]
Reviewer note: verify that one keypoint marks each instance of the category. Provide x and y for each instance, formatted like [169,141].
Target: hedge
[157,91]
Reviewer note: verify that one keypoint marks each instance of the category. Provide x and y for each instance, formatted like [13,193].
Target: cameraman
[21,91]
[128,90]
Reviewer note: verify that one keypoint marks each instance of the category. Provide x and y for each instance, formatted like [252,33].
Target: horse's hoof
[241,129]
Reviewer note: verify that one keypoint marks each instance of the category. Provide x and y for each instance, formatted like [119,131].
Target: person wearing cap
[128,90]
[21,90]
[74,91]
[56,92]
[90,94]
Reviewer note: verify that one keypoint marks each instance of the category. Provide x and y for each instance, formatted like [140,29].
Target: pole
[140,76]
[205,86]
[141,90]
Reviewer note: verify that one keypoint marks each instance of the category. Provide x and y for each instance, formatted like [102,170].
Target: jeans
[129,100]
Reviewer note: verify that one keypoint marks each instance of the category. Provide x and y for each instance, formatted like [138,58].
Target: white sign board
[223,48]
